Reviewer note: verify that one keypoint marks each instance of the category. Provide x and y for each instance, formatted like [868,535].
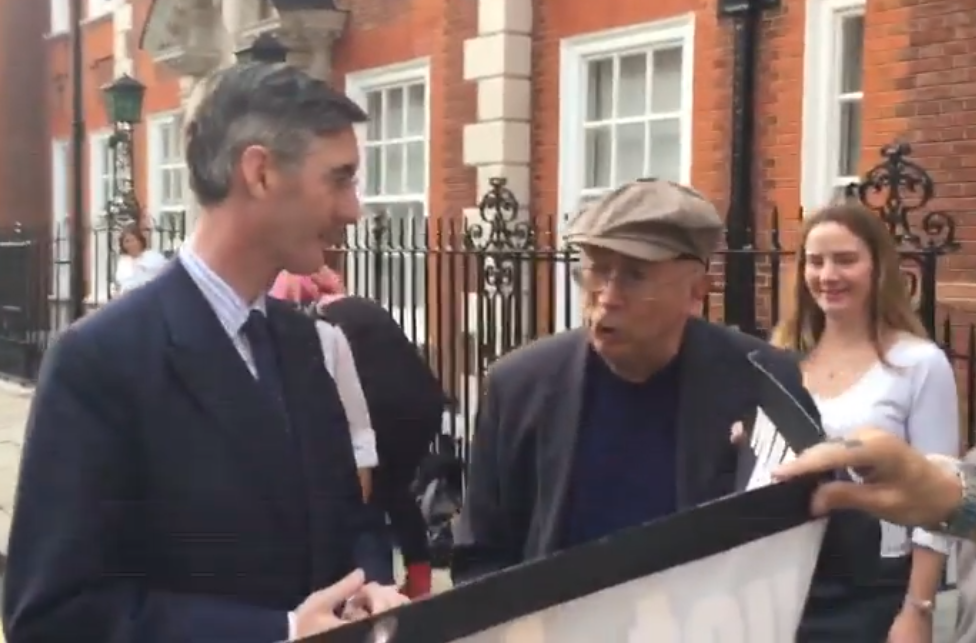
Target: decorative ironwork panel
[899,190]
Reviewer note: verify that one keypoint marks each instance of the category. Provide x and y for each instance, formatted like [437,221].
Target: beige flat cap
[652,220]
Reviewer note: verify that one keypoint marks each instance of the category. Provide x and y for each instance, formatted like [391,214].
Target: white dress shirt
[231,310]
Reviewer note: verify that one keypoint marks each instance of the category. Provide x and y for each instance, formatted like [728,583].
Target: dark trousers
[374,546]
[392,496]
[863,613]
[406,529]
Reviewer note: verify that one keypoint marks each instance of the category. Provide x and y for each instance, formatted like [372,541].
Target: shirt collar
[230,308]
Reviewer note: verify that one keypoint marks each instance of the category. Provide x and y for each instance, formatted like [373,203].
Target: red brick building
[23,123]
[563,98]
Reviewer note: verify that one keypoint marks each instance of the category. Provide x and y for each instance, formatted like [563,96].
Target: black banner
[734,570]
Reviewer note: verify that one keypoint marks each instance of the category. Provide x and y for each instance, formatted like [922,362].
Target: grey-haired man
[188,475]
[625,420]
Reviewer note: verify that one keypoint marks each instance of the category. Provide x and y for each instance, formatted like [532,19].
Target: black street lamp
[264,49]
[123,104]
[123,100]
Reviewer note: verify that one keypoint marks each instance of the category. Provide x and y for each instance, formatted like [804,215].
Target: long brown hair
[890,303]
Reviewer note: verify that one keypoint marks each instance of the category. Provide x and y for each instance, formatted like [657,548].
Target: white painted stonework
[121,39]
[499,60]
[197,37]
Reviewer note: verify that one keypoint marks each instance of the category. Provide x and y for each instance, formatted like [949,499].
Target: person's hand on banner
[373,599]
[899,485]
[737,434]
[318,613]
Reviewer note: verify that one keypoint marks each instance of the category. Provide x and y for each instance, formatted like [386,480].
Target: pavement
[14,404]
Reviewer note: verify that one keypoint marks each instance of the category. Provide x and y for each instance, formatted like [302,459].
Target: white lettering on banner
[717,619]
[770,449]
[751,594]
[654,613]
[525,630]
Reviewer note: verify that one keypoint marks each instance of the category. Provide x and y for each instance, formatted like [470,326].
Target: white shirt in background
[132,272]
[342,367]
[915,399]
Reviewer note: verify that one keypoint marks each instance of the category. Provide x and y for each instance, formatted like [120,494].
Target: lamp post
[740,267]
[77,236]
[123,104]
[264,49]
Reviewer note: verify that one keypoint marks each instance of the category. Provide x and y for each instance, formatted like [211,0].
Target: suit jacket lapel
[209,367]
[562,410]
[714,391]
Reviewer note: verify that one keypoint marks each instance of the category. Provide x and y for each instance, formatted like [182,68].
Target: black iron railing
[468,291]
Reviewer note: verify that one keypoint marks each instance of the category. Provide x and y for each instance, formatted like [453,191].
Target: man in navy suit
[188,474]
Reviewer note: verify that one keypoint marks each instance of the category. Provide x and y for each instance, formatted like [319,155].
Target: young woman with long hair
[868,361]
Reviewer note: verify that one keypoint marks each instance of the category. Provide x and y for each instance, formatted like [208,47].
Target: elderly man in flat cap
[627,419]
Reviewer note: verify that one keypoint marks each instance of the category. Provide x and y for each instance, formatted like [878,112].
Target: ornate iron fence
[494,283]
[468,291]
[35,283]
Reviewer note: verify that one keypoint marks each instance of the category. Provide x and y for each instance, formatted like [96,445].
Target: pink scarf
[322,287]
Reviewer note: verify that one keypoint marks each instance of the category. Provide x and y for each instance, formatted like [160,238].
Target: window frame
[822,77]
[264,10]
[358,86]
[98,8]
[575,53]
[155,167]
[60,17]
[101,173]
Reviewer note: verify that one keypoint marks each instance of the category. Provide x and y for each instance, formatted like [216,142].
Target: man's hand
[737,435]
[318,613]
[373,599]
[900,484]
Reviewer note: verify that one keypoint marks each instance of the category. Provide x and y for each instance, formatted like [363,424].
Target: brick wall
[386,32]
[24,152]
[918,86]
[936,101]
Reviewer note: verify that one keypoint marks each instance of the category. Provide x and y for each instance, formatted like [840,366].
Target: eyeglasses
[631,281]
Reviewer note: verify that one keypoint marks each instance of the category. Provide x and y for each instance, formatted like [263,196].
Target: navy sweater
[624,464]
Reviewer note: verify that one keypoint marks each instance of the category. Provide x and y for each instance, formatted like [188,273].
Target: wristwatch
[961,523]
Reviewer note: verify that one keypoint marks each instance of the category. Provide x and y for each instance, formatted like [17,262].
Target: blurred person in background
[137,263]
[405,404]
[868,362]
